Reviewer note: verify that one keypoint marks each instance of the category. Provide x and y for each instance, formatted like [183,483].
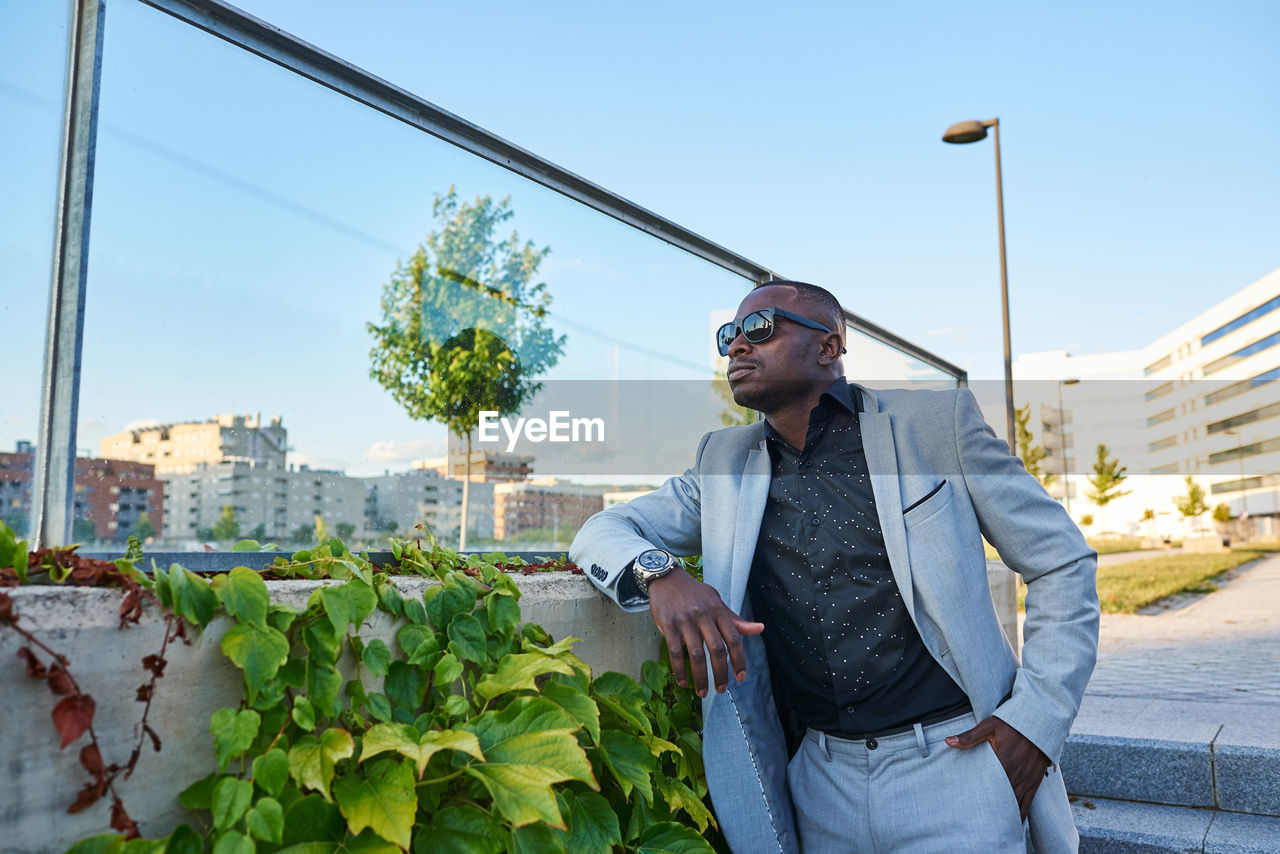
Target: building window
[1242,354]
[1160,418]
[1248,317]
[1260,414]
[1169,469]
[1160,390]
[1265,447]
[1167,442]
[1242,386]
[1157,365]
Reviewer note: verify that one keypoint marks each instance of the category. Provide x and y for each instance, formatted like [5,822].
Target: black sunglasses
[758,326]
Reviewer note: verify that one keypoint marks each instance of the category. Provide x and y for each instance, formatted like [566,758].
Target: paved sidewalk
[1223,647]
[1144,554]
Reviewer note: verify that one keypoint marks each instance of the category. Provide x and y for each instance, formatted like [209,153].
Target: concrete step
[1126,827]
[1223,756]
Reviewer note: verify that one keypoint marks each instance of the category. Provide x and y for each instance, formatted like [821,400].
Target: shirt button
[815,521]
[849,709]
[808,463]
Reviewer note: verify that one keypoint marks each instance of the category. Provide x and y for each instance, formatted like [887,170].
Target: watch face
[653,559]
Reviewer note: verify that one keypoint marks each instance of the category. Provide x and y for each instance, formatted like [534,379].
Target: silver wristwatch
[651,564]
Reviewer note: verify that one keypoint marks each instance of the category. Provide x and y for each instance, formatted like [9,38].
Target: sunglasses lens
[757,327]
[725,336]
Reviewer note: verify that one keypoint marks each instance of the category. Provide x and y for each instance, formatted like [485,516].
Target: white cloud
[141,424]
[406,450]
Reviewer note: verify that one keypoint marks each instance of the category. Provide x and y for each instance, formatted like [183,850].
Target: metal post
[1004,298]
[55,460]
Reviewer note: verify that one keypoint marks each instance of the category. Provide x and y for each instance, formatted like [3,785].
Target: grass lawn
[1126,587]
[1115,545]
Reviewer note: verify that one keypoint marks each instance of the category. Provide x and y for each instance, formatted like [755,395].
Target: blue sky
[1141,185]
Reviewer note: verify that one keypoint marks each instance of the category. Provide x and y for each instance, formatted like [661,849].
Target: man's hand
[690,614]
[1023,763]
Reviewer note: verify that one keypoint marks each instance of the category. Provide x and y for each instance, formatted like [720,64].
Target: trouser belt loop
[920,742]
[822,745]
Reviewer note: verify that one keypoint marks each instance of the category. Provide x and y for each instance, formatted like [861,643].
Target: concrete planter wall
[40,781]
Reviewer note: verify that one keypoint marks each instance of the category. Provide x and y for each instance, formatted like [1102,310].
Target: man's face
[784,369]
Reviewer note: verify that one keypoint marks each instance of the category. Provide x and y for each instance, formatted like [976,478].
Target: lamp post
[1062,434]
[972,131]
[1244,503]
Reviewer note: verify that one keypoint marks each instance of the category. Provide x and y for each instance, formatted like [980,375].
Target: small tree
[1106,480]
[321,530]
[1193,504]
[144,529]
[1031,455]
[84,531]
[1149,516]
[464,323]
[226,528]
[259,532]
[344,530]
[205,534]
[301,535]
[1086,520]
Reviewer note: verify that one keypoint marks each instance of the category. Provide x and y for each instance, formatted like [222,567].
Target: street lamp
[972,131]
[1244,503]
[1062,434]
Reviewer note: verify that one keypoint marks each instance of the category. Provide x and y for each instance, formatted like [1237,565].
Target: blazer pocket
[925,507]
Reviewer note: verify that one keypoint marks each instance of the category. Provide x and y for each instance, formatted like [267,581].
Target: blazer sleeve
[1037,539]
[669,518]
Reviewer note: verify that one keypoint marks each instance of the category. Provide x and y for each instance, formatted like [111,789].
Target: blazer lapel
[753,495]
[882,464]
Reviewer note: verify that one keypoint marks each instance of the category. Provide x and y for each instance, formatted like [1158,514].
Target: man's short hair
[821,301]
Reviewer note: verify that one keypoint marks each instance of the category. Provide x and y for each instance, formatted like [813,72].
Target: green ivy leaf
[323,644]
[193,597]
[621,695]
[667,837]
[380,707]
[233,733]
[390,599]
[658,746]
[199,795]
[414,611]
[266,820]
[629,760]
[323,685]
[460,830]
[247,546]
[405,685]
[311,760]
[231,797]
[233,842]
[271,771]
[467,639]
[258,651]
[244,594]
[504,613]
[538,839]
[447,601]
[281,617]
[447,670]
[385,801]
[406,741]
[593,825]
[304,714]
[518,673]
[456,705]
[183,840]
[413,637]
[377,657]
[313,819]
[348,604]
[578,705]
[106,843]
[680,797]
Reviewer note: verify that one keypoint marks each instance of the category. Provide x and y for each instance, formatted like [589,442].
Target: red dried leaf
[72,716]
[91,760]
[155,664]
[133,762]
[88,796]
[131,607]
[60,681]
[180,631]
[6,609]
[144,692]
[120,821]
[34,667]
[155,739]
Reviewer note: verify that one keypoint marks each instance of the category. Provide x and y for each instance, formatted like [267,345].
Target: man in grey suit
[876,704]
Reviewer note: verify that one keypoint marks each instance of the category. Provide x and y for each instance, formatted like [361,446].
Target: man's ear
[831,351]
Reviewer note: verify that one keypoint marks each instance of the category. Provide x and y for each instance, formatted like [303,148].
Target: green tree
[84,531]
[1106,480]
[144,529]
[1222,514]
[1032,455]
[321,530]
[344,530]
[1086,520]
[1191,505]
[301,535]
[464,323]
[732,415]
[1149,516]
[226,528]
[205,534]
[258,533]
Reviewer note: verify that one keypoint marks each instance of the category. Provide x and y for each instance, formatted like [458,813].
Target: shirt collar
[840,391]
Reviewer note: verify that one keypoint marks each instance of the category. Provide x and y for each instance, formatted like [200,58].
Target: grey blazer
[916,443]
